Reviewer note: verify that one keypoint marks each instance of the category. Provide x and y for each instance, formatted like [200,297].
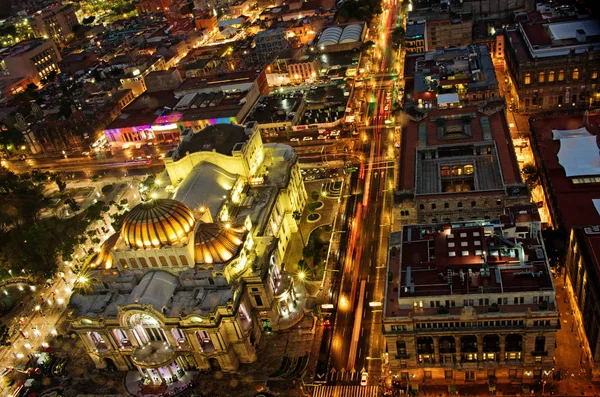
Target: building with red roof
[458,164]
[470,295]
[554,63]
[567,152]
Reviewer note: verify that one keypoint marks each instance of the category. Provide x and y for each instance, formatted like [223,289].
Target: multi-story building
[441,29]
[554,65]
[452,76]
[566,155]
[304,70]
[34,59]
[490,10]
[457,165]
[271,43]
[471,302]
[194,281]
[414,38]
[149,6]
[55,22]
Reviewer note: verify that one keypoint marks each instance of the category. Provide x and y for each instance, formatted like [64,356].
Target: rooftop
[275,108]
[456,135]
[572,196]
[219,137]
[537,39]
[467,258]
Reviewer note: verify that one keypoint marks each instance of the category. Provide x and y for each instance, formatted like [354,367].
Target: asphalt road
[354,344]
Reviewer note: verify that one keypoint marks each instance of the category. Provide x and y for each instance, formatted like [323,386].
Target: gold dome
[104,258]
[157,223]
[216,243]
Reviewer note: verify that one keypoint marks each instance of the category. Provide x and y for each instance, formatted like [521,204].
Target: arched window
[551,76]
[433,206]
[560,100]
[133,262]
[123,263]
[163,261]
[594,74]
[173,260]
[561,75]
[527,78]
[446,205]
[574,98]
[143,262]
[183,260]
[422,206]
[575,74]
[459,204]
[541,77]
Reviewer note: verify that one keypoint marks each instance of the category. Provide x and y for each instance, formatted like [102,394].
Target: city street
[354,346]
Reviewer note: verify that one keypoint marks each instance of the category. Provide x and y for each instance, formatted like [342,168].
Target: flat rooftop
[573,202]
[477,257]
[220,137]
[275,108]
[554,39]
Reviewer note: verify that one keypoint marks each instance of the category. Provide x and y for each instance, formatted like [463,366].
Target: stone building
[554,65]
[193,282]
[470,302]
[457,165]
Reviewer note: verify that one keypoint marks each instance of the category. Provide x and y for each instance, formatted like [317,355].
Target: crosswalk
[345,391]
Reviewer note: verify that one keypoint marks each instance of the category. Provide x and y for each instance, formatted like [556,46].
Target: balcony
[402,356]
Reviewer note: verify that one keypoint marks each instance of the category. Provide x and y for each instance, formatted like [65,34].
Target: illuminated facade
[471,302]
[34,59]
[193,282]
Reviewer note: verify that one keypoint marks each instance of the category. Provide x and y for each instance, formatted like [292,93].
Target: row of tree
[358,10]
[29,241]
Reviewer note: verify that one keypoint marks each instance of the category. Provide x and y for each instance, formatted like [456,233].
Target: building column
[141,372]
[479,347]
[436,349]
[458,352]
[502,348]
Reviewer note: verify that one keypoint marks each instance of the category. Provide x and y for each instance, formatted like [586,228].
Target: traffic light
[397,25]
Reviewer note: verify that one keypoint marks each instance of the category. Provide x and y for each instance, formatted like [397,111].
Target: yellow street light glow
[301,275]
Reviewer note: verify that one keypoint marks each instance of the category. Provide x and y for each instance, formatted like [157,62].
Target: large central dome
[157,223]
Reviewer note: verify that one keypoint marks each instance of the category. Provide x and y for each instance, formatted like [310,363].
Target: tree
[398,36]
[60,183]
[532,176]
[10,139]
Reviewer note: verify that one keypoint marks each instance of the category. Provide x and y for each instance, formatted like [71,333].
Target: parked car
[307,138]
[295,140]
[321,137]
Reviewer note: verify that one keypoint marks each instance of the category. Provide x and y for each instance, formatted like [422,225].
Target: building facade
[471,302]
[55,23]
[554,65]
[457,165]
[580,274]
[34,59]
[193,282]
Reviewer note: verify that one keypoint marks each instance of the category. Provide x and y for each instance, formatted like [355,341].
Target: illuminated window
[468,169]
[594,74]
[550,76]
[527,78]
[541,77]
[561,75]
[575,74]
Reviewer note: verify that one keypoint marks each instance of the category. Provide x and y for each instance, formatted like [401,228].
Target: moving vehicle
[307,138]
[364,377]
[295,140]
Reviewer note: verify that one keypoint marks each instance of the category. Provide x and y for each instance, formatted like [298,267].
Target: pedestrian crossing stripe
[345,391]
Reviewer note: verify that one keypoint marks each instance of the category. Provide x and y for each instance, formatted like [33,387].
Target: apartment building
[34,59]
[470,302]
[55,22]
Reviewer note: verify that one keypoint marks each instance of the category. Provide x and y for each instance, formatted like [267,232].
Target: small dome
[157,223]
[216,243]
[104,259]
